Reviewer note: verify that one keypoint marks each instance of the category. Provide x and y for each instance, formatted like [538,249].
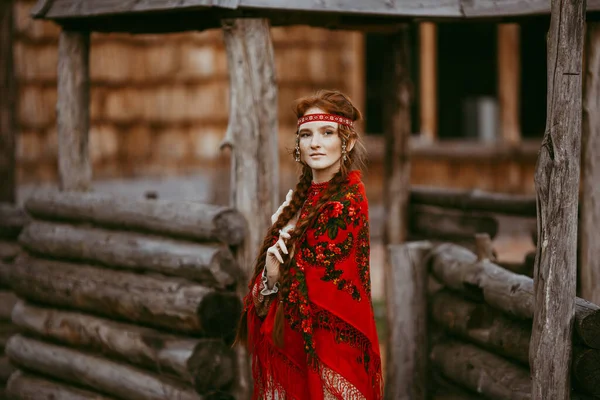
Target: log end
[218,395]
[212,366]
[219,313]
[230,227]
[588,328]
[227,264]
[586,369]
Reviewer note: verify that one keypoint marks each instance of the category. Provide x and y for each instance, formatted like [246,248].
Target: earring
[344,153]
[297,152]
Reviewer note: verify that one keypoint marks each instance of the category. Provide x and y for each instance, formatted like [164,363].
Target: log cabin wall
[159,103]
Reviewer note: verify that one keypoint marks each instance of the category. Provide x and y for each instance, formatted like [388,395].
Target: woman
[308,319]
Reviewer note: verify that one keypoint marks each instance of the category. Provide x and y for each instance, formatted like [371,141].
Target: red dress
[331,350]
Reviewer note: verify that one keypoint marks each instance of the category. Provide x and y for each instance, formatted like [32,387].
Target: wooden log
[459,270]
[557,192]
[397,126]
[8,109]
[481,371]
[26,386]
[210,264]
[205,363]
[509,81]
[110,377]
[7,329]
[5,274]
[444,389]
[252,138]
[480,324]
[188,220]
[168,303]
[72,111]
[12,221]
[474,200]
[428,51]
[440,223]
[586,369]
[6,369]
[590,148]
[7,302]
[406,295]
[8,250]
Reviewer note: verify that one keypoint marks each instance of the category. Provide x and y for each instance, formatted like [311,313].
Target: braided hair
[333,102]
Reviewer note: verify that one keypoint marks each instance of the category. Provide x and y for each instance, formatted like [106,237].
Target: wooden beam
[557,190]
[72,111]
[447,9]
[252,138]
[428,80]
[406,294]
[7,105]
[509,82]
[590,150]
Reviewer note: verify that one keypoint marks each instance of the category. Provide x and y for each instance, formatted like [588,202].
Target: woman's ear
[351,144]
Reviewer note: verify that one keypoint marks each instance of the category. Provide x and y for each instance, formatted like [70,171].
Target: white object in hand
[288,198]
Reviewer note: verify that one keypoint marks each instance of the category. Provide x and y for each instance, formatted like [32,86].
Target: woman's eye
[304,135]
[329,132]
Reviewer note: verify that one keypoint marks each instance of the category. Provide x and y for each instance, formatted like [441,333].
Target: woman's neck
[324,175]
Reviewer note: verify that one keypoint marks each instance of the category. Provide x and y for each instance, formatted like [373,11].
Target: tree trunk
[7,301]
[252,138]
[474,200]
[459,270]
[406,295]
[8,109]
[188,220]
[73,111]
[26,386]
[6,369]
[8,250]
[590,150]
[557,193]
[168,303]
[205,363]
[441,224]
[12,221]
[210,264]
[110,377]
[481,371]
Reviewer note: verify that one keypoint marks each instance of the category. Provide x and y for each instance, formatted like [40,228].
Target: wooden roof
[179,15]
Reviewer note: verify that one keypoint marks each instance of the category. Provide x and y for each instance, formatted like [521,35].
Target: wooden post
[396,188]
[252,138]
[557,190]
[72,111]
[7,104]
[509,81]
[428,80]
[407,350]
[590,150]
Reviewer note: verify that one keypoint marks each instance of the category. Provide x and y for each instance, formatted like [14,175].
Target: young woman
[308,319]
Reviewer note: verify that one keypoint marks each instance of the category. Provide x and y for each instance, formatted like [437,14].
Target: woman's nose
[315,141]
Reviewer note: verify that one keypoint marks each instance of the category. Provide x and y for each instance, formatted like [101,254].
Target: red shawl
[330,347]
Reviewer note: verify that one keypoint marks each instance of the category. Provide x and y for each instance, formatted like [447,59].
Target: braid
[298,198]
[299,231]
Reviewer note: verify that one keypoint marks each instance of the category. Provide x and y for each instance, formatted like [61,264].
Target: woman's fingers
[282,246]
[274,252]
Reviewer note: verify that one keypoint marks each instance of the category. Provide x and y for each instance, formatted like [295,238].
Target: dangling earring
[344,153]
[297,149]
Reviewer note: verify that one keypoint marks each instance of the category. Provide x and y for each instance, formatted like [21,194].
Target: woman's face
[320,146]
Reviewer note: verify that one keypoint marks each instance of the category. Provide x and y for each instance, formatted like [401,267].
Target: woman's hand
[288,198]
[275,255]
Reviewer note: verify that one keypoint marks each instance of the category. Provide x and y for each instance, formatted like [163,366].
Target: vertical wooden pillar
[509,82]
[557,189]
[7,105]
[73,111]
[400,384]
[252,137]
[590,202]
[428,80]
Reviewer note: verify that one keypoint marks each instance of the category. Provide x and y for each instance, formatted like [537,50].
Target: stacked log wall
[12,221]
[479,328]
[137,302]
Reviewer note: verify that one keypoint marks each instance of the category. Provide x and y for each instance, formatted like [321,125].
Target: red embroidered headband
[325,117]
